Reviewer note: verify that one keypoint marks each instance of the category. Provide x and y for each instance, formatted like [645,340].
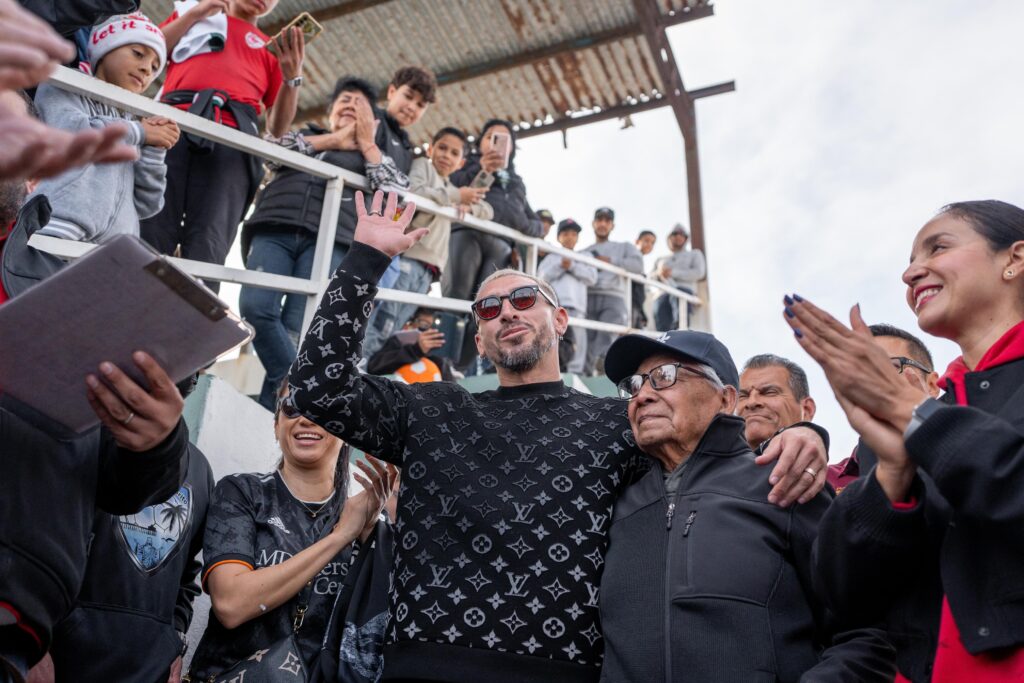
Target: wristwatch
[922,412]
[294,82]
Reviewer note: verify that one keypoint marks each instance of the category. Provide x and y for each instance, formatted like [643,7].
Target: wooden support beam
[327,13]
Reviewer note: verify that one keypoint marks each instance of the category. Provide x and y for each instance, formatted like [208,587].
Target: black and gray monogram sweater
[504,508]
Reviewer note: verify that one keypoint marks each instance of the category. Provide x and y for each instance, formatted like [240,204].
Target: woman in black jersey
[279,545]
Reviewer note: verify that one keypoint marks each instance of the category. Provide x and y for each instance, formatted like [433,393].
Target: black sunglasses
[661,377]
[287,409]
[900,362]
[521,298]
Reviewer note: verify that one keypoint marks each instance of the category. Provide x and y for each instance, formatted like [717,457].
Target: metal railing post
[321,272]
[532,257]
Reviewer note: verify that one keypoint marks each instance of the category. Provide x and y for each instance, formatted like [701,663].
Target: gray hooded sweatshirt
[95,202]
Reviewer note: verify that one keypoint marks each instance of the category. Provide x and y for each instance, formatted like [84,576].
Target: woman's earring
[1009,274]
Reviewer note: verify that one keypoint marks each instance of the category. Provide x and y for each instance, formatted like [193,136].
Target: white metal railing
[93,88]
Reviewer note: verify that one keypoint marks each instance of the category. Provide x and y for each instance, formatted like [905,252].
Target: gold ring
[811,472]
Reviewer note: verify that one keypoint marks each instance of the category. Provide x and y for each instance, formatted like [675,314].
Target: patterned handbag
[278,663]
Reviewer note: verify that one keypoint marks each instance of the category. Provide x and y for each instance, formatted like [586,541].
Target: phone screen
[502,143]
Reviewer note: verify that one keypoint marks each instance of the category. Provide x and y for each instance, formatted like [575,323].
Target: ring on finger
[810,471]
[375,213]
[131,416]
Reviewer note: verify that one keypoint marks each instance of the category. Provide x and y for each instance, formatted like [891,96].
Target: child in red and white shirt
[209,183]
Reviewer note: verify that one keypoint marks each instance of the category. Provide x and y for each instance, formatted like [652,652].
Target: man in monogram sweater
[506,496]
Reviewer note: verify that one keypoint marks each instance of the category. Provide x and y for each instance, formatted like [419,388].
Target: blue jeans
[389,316]
[286,251]
[390,277]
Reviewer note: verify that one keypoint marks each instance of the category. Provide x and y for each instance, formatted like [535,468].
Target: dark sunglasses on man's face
[521,298]
[900,362]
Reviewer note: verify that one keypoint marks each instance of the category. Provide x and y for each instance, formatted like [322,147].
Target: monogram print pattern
[506,496]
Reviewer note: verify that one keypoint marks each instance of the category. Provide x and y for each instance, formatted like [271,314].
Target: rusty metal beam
[682,105]
[619,111]
[328,13]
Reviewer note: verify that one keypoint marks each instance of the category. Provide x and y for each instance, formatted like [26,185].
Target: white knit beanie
[126,29]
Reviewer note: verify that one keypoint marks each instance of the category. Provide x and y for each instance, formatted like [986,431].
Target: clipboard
[119,298]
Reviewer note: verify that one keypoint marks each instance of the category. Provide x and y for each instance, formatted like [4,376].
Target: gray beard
[523,359]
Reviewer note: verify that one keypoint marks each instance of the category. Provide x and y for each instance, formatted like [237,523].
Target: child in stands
[230,86]
[96,202]
[424,262]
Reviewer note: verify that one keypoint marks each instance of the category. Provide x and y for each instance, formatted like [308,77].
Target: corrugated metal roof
[609,65]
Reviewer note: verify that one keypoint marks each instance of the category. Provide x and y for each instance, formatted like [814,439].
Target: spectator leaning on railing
[426,260]
[606,298]
[229,86]
[280,235]
[97,203]
[570,280]
[682,269]
[29,51]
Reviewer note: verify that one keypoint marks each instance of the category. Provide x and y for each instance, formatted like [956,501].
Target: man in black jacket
[503,515]
[52,482]
[139,585]
[716,579]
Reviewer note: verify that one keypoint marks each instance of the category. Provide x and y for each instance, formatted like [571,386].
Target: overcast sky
[852,123]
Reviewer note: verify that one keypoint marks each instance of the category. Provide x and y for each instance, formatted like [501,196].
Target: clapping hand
[362,510]
[385,230]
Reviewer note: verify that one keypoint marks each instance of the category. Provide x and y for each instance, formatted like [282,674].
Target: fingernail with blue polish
[787,299]
[789,312]
[798,333]
[797,297]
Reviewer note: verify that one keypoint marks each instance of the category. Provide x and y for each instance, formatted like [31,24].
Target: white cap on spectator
[126,29]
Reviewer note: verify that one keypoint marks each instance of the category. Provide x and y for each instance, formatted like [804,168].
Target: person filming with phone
[473,254]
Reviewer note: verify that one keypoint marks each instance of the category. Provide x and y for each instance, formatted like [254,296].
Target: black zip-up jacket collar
[963,539]
[717,580]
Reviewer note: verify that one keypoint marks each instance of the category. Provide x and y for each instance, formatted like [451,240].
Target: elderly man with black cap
[682,269]
[570,280]
[715,578]
[606,299]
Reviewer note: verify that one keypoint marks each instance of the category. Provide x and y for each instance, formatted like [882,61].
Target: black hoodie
[51,484]
[139,585]
[508,193]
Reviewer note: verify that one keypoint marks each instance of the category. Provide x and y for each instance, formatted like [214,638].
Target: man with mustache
[773,394]
[507,494]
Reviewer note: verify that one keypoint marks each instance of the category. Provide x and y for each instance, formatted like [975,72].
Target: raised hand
[29,49]
[207,8]
[290,47]
[138,419]
[430,340]
[858,369]
[385,229]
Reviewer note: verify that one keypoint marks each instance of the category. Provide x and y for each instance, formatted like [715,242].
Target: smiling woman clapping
[277,548]
[931,538]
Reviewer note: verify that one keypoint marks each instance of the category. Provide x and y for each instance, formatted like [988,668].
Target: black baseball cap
[604,212]
[568,224]
[627,353]
[545,215]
